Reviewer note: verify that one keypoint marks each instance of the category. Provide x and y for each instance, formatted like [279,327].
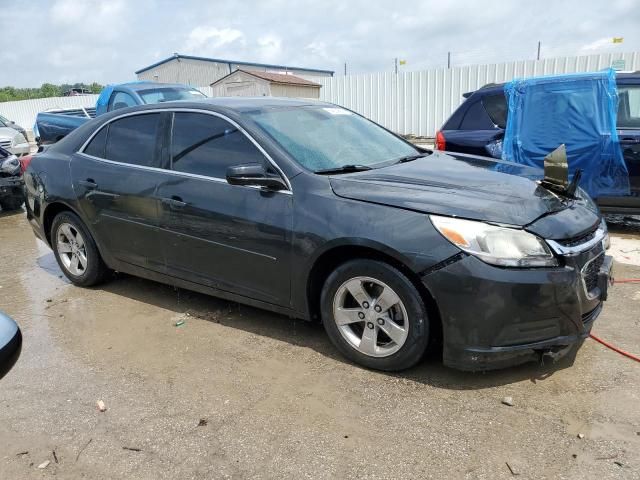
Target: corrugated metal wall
[409,103]
[419,102]
[24,112]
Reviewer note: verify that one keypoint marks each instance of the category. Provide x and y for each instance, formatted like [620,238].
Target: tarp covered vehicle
[479,126]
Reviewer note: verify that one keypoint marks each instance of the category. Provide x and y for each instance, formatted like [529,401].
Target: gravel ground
[236,392]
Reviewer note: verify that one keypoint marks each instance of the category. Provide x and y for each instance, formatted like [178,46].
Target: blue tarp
[579,110]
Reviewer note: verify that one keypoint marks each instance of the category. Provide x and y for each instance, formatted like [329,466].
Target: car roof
[144,85]
[228,104]
[493,88]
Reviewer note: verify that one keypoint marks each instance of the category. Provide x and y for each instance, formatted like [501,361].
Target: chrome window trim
[188,110]
[176,173]
[560,249]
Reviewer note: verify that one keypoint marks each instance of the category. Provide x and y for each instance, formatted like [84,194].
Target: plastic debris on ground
[578,110]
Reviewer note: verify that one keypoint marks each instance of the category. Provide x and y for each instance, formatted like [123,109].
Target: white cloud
[204,39]
[270,48]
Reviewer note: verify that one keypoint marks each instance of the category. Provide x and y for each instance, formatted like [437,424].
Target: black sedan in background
[311,210]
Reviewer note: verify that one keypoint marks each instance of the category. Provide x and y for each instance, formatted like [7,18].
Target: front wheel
[374,315]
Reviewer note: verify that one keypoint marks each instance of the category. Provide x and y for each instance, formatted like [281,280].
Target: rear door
[629,135]
[480,130]
[234,238]
[115,179]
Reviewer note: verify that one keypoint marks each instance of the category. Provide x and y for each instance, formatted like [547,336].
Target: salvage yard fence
[418,103]
[409,103]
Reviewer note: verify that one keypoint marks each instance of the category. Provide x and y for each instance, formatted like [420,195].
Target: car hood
[8,133]
[465,186]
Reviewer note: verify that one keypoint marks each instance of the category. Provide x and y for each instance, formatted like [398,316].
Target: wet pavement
[235,392]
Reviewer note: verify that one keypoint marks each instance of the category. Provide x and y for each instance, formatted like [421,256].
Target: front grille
[590,273]
[5,143]
[575,241]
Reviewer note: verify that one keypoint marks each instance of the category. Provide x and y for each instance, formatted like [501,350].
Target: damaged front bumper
[497,317]
[11,185]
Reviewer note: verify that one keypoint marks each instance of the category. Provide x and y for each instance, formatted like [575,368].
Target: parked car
[11,182]
[75,92]
[310,210]
[54,125]
[10,343]
[14,141]
[478,126]
[5,122]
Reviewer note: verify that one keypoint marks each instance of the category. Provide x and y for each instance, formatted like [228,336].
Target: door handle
[630,140]
[174,202]
[88,184]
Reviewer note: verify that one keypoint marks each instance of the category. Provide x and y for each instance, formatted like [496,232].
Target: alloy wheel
[71,249]
[370,316]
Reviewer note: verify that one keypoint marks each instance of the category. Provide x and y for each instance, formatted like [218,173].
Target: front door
[233,238]
[115,179]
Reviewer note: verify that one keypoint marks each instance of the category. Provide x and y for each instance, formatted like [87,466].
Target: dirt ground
[236,392]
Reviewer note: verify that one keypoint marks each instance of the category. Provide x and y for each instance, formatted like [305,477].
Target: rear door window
[207,145]
[135,140]
[476,118]
[629,106]
[496,107]
[98,143]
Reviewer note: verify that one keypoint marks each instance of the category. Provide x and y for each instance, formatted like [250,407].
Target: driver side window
[207,145]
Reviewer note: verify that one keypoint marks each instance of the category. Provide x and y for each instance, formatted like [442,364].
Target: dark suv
[478,126]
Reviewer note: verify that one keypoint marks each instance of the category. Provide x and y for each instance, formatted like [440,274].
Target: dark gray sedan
[311,210]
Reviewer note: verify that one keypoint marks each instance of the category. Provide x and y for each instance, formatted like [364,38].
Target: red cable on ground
[615,349]
[608,345]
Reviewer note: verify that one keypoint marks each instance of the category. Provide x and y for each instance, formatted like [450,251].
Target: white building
[201,71]
[250,83]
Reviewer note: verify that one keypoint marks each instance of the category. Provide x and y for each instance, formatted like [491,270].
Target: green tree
[10,94]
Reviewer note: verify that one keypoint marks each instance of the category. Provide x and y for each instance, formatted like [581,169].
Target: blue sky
[106,41]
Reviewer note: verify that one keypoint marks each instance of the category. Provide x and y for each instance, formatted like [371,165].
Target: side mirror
[254,174]
[10,343]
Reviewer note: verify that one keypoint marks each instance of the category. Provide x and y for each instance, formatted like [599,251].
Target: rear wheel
[374,315]
[76,251]
[11,203]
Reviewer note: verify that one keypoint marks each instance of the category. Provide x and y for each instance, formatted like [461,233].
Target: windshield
[323,138]
[168,94]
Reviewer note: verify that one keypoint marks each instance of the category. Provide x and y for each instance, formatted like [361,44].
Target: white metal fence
[408,103]
[419,102]
[24,112]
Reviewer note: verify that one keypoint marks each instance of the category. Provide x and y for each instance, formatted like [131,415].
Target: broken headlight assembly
[502,246]
[10,165]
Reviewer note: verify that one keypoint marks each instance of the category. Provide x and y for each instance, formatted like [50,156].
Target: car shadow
[11,213]
[429,371]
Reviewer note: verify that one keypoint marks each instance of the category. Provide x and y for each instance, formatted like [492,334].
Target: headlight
[506,247]
[10,165]
[18,140]
[606,241]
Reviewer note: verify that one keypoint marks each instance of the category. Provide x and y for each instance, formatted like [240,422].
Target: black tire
[11,203]
[417,338]
[96,271]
